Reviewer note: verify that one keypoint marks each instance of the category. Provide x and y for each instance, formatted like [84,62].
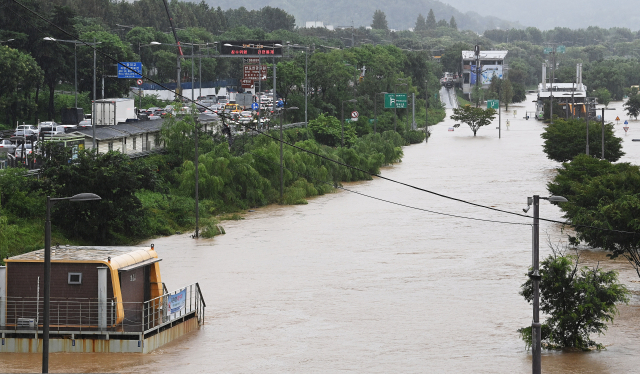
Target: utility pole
[587,118]
[553,78]
[602,155]
[426,116]
[536,327]
[197,132]
[477,53]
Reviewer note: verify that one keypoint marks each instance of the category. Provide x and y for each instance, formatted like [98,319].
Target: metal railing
[82,314]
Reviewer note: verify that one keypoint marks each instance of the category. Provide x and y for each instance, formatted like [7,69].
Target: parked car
[28,149]
[26,131]
[6,146]
[50,128]
[84,124]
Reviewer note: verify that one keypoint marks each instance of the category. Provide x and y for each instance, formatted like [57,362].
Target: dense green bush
[565,139]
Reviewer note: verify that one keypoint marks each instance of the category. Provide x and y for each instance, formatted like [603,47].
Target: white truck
[109,112]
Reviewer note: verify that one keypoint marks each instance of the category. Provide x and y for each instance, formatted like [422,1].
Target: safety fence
[22,314]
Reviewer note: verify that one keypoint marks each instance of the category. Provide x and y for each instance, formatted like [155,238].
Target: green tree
[565,139]
[421,24]
[19,74]
[327,131]
[379,20]
[602,196]
[632,106]
[450,59]
[604,96]
[114,177]
[453,24]
[474,117]
[431,20]
[578,300]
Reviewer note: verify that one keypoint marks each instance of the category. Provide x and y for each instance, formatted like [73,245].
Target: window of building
[110,146]
[74,278]
[134,142]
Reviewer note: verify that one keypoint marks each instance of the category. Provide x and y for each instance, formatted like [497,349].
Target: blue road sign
[123,72]
[626,122]
[255,106]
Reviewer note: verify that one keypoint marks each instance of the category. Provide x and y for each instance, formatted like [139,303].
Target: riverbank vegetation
[155,196]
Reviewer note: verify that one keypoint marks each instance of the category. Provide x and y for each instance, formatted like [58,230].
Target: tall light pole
[75,63]
[306,86]
[93,105]
[426,111]
[47,269]
[282,111]
[375,109]
[602,155]
[342,122]
[534,275]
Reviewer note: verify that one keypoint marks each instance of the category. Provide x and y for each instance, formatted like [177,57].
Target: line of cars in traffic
[25,137]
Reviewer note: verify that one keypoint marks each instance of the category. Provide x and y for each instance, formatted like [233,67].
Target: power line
[325,157]
[392,202]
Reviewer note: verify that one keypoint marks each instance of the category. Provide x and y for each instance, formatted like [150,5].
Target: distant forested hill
[401,14]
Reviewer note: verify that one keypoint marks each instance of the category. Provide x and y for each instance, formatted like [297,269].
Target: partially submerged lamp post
[282,111]
[47,269]
[534,275]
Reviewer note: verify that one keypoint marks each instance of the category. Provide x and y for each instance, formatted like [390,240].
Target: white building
[491,63]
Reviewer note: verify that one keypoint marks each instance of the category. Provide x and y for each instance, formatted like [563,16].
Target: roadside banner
[177,301]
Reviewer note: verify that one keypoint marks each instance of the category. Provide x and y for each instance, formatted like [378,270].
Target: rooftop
[120,256]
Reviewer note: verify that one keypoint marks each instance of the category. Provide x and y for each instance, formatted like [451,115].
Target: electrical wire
[325,157]
[389,201]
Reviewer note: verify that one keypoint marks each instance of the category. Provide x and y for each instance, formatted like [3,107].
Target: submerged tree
[579,301]
[565,139]
[474,117]
[632,106]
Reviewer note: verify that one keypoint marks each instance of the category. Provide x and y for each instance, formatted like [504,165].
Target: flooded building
[102,299]
[572,97]
[480,68]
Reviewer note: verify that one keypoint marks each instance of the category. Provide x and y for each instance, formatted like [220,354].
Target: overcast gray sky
[547,14]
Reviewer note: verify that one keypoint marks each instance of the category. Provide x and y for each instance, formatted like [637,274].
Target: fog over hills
[401,14]
[548,14]
[476,15]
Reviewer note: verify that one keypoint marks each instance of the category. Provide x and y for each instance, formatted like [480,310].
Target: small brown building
[86,283]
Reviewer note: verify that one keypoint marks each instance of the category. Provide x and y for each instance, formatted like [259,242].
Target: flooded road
[351,284]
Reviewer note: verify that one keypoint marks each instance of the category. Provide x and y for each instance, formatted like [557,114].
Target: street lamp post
[342,122]
[93,105]
[426,111]
[306,87]
[47,269]
[375,109]
[282,111]
[534,275]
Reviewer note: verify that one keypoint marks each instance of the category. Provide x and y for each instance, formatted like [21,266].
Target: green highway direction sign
[559,49]
[395,100]
[494,104]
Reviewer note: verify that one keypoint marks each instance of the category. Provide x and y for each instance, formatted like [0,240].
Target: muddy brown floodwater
[351,284]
